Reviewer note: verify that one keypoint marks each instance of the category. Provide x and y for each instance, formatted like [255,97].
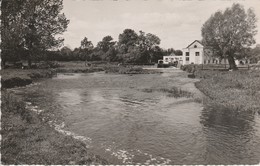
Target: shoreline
[11,78]
[26,138]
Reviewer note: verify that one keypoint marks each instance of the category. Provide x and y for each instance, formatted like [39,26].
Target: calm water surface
[121,121]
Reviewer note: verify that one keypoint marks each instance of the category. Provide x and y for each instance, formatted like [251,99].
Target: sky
[176,22]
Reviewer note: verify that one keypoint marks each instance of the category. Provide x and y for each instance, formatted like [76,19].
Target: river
[126,119]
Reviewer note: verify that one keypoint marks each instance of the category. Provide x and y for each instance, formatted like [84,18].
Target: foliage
[230,33]
[85,44]
[142,48]
[255,54]
[106,44]
[32,26]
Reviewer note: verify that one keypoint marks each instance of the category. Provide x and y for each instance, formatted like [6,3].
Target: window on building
[187,54]
[166,59]
[195,46]
[208,61]
[205,61]
[197,53]
[187,58]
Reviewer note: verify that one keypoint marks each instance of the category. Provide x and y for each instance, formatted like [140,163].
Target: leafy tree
[158,53]
[35,25]
[127,40]
[106,43]
[178,52]
[230,33]
[11,30]
[147,43]
[85,44]
[110,55]
[86,48]
[66,53]
[255,54]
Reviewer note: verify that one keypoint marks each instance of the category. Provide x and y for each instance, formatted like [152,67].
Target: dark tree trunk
[231,62]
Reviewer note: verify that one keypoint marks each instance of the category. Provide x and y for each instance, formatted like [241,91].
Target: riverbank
[231,90]
[26,139]
[18,77]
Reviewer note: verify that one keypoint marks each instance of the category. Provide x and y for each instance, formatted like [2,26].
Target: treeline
[31,31]
[131,47]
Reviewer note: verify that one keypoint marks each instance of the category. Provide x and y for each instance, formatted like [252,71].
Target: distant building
[196,53]
[172,58]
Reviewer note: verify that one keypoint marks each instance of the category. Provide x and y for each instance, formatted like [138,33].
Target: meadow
[233,90]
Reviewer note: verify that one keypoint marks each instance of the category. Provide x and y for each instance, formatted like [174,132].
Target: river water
[126,119]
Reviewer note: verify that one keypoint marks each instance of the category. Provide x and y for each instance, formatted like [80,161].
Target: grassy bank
[19,77]
[231,90]
[28,140]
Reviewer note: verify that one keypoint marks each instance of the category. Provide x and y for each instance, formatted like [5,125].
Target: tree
[36,25]
[230,33]
[66,53]
[85,44]
[178,52]
[255,54]
[86,48]
[147,44]
[127,40]
[106,43]
[110,55]
[11,30]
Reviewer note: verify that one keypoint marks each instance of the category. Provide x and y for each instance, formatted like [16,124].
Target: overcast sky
[177,23]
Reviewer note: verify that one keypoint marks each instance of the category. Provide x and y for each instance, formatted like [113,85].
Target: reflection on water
[236,132]
[127,125]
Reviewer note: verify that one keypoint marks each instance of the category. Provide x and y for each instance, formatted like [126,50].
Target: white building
[196,53]
[172,58]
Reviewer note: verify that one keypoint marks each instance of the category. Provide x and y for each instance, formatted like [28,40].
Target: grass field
[233,90]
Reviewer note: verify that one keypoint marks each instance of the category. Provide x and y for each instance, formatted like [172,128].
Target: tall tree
[38,24]
[66,53]
[230,33]
[147,44]
[86,44]
[11,31]
[86,48]
[106,43]
[127,40]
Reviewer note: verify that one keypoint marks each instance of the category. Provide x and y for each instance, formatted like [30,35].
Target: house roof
[194,42]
